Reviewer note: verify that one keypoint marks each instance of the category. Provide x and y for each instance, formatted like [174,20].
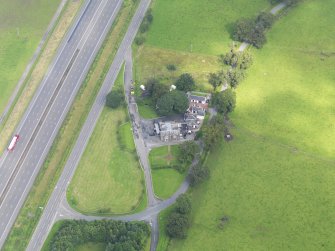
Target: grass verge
[48,176]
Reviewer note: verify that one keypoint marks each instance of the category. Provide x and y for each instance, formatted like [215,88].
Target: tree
[236,59]
[187,153]
[174,101]
[198,174]
[185,82]
[114,99]
[215,79]
[213,132]
[155,89]
[183,204]
[180,104]
[248,30]
[177,225]
[224,102]
[265,19]
[165,104]
[245,60]
[234,77]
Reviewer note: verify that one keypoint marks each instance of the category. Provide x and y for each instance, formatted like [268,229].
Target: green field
[166,179]
[275,180]
[108,179]
[22,25]
[198,26]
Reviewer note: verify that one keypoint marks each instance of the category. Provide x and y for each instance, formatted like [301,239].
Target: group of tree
[198,174]
[115,99]
[174,101]
[213,132]
[252,30]
[187,153]
[144,27]
[237,62]
[117,235]
[178,220]
[168,101]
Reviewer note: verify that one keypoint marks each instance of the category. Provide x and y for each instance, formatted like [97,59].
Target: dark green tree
[185,82]
[234,77]
[215,79]
[187,153]
[165,104]
[265,20]
[224,102]
[177,225]
[180,104]
[198,174]
[115,99]
[183,204]
[213,132]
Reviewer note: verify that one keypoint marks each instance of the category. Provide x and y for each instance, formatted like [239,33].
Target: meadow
[166,179]
[108,179]
[22,25]
[275,180]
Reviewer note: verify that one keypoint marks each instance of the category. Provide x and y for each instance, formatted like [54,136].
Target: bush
[198,174]
[115,99]
[183,205]
[144,26]
[139,40]
[171,67]
[187,154]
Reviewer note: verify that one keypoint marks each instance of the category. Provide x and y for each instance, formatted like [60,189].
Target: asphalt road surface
[47,110]
[50,211]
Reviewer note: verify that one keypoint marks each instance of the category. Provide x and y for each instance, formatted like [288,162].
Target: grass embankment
[108,179]
[22,25]
[38,72]
[275,180]
[166,179]
[48,176]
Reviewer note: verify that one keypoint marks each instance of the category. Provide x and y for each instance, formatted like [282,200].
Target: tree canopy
[185,82]
[198,174]
[215,79]
[115,99]
[224,102]
[116,234]
[172,102]
[213,132]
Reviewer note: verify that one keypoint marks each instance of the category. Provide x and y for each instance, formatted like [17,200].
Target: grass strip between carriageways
[53,166]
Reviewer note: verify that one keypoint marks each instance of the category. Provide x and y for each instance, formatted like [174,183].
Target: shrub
[115,99]
[198,174]
[171,67]
[139,40]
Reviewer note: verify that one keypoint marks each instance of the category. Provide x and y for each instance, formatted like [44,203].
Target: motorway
[50,211]
[46,112]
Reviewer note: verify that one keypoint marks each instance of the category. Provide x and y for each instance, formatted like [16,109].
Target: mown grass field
[22,25]
[198,26]
[48,176]
[275,180]
[166,179]
[108,179]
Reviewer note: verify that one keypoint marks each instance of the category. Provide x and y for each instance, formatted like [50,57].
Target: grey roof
[199,98]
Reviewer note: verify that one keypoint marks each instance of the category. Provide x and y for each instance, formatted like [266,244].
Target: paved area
[49,106]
